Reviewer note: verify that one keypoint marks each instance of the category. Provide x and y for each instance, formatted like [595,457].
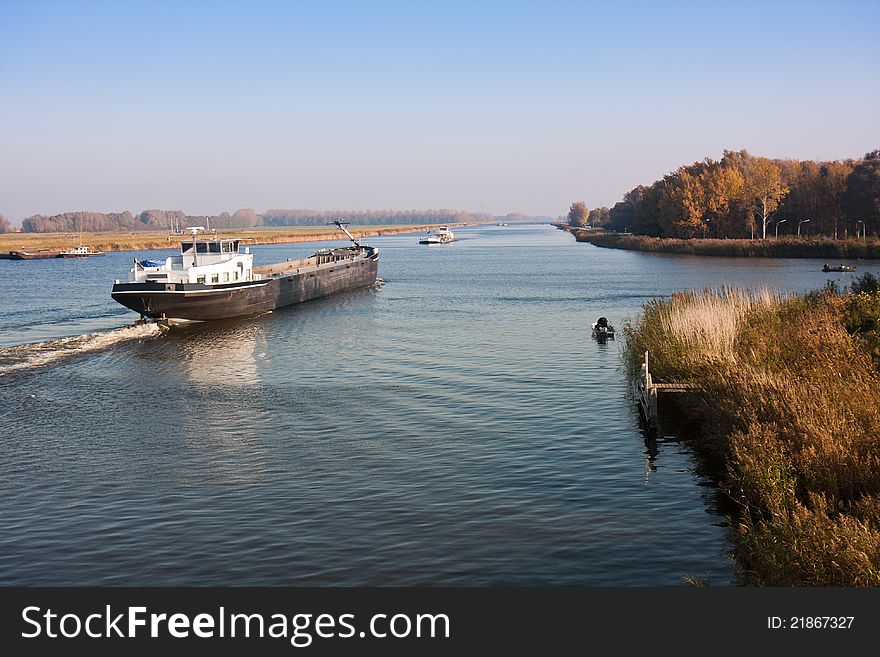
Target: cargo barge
[211,279]
[30,255]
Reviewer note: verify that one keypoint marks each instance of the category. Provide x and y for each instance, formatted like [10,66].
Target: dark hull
[31,255]
[201,302]
[603,334]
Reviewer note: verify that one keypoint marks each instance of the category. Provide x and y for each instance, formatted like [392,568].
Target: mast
[195,230]
[343,227]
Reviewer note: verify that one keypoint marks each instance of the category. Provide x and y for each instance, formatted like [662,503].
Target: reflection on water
[455,426]
[218,365]
[220,353]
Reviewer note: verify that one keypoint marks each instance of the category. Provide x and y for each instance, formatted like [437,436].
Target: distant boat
[81,251]
[441,235]
[40,254]
[501,224]
[602,330]
[826,268]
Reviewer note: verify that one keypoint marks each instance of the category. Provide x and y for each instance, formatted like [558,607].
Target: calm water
[454,426]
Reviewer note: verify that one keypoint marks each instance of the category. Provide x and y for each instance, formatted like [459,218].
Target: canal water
[455,426]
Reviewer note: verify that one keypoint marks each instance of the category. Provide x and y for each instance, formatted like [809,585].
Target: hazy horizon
[501,107]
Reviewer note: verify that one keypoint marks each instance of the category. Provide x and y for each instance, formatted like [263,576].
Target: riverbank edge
[790,525]
[783,247]
[108,242]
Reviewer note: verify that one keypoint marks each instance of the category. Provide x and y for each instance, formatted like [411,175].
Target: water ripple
[455,426]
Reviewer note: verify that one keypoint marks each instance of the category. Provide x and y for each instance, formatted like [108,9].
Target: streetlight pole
[863,228]
[802,221]
[777,226]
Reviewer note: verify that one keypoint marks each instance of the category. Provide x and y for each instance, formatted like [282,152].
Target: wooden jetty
[647,392]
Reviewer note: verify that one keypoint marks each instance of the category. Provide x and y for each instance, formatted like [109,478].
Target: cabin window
[200,279]
[235,275]
[201,247]
[186,247]
[215,278]
[226,277]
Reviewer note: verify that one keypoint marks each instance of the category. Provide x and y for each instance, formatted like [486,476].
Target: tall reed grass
[789,404]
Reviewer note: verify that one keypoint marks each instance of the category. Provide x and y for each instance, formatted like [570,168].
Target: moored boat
[80,251]
[41,254]
[441,235]
[211,279]
[827,269]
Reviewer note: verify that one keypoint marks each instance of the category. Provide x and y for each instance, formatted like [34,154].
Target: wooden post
[646,395]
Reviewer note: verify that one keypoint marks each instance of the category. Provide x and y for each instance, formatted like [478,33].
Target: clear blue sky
[515,106]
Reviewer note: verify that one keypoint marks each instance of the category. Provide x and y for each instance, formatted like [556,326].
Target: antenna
[344,228]
[195,231]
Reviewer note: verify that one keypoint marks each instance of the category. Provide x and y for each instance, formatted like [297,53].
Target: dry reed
[791,407]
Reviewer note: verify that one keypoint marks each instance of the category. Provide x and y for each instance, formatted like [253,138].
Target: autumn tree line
[243,218]
[746,196]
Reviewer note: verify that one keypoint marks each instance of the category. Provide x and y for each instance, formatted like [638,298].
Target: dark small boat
[602,330]
[827,269]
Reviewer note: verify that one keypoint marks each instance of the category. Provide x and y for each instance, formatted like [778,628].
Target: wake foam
[40,354]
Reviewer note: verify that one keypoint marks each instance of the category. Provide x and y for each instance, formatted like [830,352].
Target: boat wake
[39,354]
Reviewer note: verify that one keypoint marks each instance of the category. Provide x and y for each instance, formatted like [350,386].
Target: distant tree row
[747,196]
[243,218]
[281,217]
[5,226]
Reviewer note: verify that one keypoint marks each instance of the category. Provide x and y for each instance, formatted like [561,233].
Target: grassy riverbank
[789,406]
[784,247]
[140,241]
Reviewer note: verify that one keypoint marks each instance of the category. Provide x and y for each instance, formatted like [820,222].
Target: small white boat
[501,224]
[602,330]
[441,235]
[81,251]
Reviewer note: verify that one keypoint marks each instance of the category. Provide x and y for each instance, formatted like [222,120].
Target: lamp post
[777,226]
[802,221]
[862,229]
